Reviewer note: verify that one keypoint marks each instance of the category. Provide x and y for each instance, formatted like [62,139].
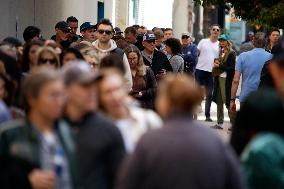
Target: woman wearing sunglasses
[47,56]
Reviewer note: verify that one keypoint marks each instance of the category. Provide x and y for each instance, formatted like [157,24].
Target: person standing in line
[182,153]
[273,38]
[249,66]
[99,144]
[189,53]
[208,50]
[173,49]
[223,72]
[73,24]
[62,30]
[104,45]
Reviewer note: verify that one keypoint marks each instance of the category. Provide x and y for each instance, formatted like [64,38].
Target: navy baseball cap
[149,37]
[87,25]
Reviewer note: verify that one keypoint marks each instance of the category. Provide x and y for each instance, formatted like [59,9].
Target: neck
[120,113]
[133,71]
[58,40]
[40,123]
[213,38]
[74,113]
[104,46]
[272,44]
[148,52]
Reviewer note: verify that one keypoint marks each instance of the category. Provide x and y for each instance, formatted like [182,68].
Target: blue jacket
[190,56]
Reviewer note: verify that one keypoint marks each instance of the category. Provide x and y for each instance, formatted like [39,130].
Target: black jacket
[100,151]
[159,62]
[229,68]
[181,155]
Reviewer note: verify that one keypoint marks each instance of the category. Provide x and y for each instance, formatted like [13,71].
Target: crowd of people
[112,109]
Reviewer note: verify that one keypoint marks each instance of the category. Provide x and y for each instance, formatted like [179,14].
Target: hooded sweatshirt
[100,54]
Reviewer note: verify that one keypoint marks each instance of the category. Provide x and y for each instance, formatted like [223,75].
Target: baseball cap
[117,31]
[87,25]
[62,25]
[186,34]
[79,72]
[149,37]
[224,37]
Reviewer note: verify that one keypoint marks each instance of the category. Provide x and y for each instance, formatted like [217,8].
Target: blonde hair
[141,67]
[44,49]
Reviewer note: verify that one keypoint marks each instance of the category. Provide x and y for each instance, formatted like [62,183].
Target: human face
[133,60]
[69,57]
[50,101]
[130,37]
[223,44]
[83,97]
[104,33]
[89,35]
[48,59]
[149,45]
[2,89]
[185,40]
[74,27]
[158,42]
[112,93]
[168,34]
[215,31]
[168,50]
[63,35]
[32,55]
[274,36]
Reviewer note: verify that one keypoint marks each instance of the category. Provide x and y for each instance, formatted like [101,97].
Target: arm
[151,84]
[127,72]
[235,85]
[195,54]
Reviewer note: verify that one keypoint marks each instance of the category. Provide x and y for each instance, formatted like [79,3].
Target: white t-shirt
[208,52]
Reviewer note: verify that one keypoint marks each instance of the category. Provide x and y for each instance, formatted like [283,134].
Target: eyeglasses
[216,29]
[150,41]
[185,37]
[45,61]
[108,32]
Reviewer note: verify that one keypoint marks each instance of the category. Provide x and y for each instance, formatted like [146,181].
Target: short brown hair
[183,94]
[259,40]
[159,33]
[130,30]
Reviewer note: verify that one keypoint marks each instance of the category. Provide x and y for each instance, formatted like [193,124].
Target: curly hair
[175,45]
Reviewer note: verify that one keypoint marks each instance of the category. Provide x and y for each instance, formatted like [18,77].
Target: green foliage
[269,13]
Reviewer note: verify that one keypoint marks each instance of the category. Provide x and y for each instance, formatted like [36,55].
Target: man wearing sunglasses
[104,46]
[208,50]
[62,30]
[153,58]
[189,53]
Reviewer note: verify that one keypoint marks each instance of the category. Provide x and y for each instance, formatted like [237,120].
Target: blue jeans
[205,79]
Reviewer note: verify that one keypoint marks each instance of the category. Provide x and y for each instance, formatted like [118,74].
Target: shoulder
[12,126]
[149,116]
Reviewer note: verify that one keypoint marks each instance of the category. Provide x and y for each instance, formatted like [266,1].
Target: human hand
[40,179]
[233,106]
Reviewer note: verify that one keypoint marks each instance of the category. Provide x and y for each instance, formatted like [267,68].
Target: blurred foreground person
[182,154]
[258,137]
[99,143]
[37,152]
[132,121]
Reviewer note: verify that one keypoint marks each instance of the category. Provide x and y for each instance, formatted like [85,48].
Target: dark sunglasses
[150,41]
[105,31]
[44,61]
[185,37]
[216,29]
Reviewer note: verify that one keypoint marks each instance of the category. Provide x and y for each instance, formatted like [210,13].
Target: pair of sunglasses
[45,61]
[108,32]
[185,37]
[216,29]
